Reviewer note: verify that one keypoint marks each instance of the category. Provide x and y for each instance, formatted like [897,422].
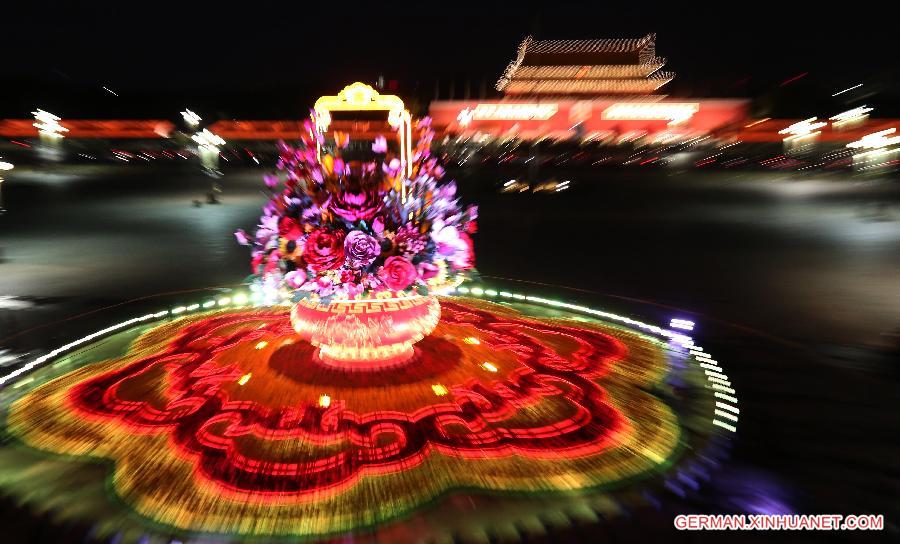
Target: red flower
[257,260]
[398,273]
[468,261]
[472,227]
[272,262]
[289,228]
[324,250]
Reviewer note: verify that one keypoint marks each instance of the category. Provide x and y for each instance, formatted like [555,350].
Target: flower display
[341,229]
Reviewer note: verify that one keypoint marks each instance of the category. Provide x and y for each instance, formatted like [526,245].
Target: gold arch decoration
[361,97]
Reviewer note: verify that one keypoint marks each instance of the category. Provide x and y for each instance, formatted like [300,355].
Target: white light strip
[44,358]
[848,89]
[728,407]
[723,396]
[681,324]
[731,428]
[726,415]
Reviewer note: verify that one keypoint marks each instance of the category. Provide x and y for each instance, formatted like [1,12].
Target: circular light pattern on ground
[225,423]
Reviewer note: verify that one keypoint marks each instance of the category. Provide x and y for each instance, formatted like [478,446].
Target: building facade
[603,90]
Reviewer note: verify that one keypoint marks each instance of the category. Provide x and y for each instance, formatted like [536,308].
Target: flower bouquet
[360,247]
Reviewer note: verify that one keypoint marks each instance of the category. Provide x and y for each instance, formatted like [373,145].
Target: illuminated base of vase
[366,334]
[368,358]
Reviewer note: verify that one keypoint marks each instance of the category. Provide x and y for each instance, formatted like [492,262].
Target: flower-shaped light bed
[225,423]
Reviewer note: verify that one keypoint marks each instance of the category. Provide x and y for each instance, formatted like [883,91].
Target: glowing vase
[372,333]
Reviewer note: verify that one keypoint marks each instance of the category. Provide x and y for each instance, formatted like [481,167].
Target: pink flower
[271,180]
[427,270]
[353,289]
[409,241]
[352,206]
[379,145]
[398,273]
[378,225]
[465,260]
[242,237]
[447,238]
[325,286]
[295,278]
[268,227]
[392,168]
[340,168]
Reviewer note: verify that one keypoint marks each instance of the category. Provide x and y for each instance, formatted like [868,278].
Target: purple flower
[447,191]
[379,145]
[360,249]
[242,237]
[271,180]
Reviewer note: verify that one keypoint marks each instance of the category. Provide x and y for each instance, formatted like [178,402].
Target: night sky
[268,60]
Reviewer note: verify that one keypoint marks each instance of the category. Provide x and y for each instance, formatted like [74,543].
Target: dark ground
[794,284]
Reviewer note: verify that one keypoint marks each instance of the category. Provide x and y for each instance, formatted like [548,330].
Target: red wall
[712,114]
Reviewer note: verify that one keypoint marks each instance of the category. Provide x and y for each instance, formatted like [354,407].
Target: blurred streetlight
[801,134]
[875,149]
[851,118]
[48,126]
[191,118]
[208,144]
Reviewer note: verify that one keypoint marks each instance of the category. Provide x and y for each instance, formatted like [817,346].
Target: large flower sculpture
[337,229]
